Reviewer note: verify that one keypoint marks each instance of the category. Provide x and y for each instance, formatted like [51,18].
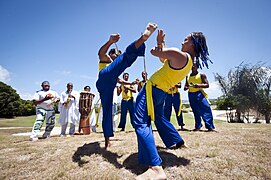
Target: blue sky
[58,40]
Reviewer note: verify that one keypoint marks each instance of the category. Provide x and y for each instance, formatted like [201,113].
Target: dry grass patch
[236,151]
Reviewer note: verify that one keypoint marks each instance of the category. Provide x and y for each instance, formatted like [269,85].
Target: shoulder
[105,59]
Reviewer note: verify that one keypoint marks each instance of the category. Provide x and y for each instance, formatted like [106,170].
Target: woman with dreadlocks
[150,100]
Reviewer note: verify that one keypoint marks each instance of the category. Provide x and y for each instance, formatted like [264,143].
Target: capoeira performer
[44,100]
[111,66]
[174,98]
[198,99]
[127,102]
[150,100]
[144,80]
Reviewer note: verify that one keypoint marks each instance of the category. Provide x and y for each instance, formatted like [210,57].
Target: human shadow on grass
[95,148]
[130,163]
[169,160]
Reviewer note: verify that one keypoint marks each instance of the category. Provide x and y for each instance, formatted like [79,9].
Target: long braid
[201,49]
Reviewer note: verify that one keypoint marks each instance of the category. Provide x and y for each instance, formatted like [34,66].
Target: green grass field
[28,121]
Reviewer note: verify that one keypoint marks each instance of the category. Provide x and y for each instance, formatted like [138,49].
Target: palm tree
[249,87]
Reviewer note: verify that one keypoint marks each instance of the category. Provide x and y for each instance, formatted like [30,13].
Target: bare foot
[151,27]
[107,142]
[154,172]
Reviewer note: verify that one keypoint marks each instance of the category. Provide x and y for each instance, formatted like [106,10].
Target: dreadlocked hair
[201,48]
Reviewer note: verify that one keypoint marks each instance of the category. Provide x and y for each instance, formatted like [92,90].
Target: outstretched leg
[114,70]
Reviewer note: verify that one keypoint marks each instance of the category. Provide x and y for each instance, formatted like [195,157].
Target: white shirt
[48,104]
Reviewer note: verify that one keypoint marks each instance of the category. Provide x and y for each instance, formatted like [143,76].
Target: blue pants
[201,109]
[107,81]
[126,105]
[175,101]
[147,152]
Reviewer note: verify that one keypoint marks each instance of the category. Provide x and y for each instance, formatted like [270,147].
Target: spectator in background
[44,100]
[144,80]
[174,98]
[127,102]
[198,98]
[69,110]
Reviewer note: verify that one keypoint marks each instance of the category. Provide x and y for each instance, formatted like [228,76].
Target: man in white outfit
[69,110]
[44,100]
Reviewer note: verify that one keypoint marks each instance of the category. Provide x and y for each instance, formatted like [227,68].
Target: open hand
[160,36]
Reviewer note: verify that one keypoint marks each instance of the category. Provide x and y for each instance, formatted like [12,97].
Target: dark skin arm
[103,50]
[205,83]
[119,90]
[139,87]
[131,88]
[126,88]
[47,97]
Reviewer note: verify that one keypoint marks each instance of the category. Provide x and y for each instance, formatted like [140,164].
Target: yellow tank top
[103,65]
[126,96]
[196,79]
[142,83]
[165,78]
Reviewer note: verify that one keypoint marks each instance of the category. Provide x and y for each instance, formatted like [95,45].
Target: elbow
[152,52]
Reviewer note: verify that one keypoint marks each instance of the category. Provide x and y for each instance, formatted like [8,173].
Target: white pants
[64,127]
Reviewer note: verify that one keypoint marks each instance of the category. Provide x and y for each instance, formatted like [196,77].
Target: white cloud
[24,94]
[4,75]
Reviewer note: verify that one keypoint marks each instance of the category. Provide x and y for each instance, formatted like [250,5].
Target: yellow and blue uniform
[127,103]
[174,98]
[149,105]
[107,80]
[199,103]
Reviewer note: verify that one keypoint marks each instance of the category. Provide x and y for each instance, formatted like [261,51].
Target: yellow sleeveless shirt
[126,96]
[196,79]
[165,78]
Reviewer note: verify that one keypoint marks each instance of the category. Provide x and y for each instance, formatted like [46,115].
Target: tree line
[12,105]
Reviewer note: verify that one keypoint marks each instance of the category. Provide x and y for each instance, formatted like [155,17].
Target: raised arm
[175,56]
[103,56]
[119,90]
[123,82]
